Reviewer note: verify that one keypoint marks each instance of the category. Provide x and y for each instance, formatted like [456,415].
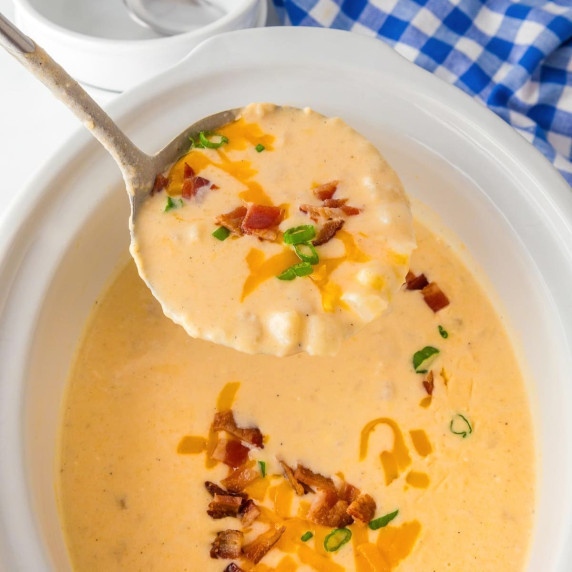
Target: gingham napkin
[514,56]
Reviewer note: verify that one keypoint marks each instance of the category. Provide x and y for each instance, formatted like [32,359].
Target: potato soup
[410,450]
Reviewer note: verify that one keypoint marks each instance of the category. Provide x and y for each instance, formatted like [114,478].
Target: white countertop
[33,124]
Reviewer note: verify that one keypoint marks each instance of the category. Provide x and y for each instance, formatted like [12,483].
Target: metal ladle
[139,169]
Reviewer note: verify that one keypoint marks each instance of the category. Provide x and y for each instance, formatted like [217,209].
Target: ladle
[139,169]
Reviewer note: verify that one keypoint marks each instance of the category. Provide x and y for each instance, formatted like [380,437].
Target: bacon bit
[213,489]
[224,505]
[315,213]
[415,282]
[240,478]
[348,492]
[314,480]
[188,171]
[232,567]
[224,421]
[334,203]
[249,512]
[329,510]
[260,219]
[161,182]
[232,220]
[230,452]
[429,383]
[227,544]
[350,211]
[326,191]
[299,489]
[258,548]
[192,186]
[363,508]
[328,231]
[434,297]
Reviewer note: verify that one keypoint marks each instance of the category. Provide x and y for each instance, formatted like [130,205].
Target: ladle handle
[66,89]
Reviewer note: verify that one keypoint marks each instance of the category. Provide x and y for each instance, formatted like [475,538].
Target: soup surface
[286,231]
[424,412]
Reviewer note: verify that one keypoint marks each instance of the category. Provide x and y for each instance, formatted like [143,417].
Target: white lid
[100,44]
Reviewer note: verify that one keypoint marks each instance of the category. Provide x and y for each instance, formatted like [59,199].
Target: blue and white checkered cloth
[514,56]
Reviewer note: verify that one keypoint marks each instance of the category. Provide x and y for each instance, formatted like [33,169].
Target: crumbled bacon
[232,220]
[262,220]
[350,211]
[188,171]
[429,383]
[240,478]
[192,186]
[161,182]
[334,203]
[348,492]
[232,567]
[328,231]
[259,547]
[249,512]
[314,480]
[289,474]
[316,213]
[230,452]
[362,508]
[329,510]
[224,421]
[326,191]
[213,489]
[224,505]
[227,544]
[434,297]
[415,282]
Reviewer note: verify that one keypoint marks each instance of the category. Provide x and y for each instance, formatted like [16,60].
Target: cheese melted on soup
[411,450]
[285,231]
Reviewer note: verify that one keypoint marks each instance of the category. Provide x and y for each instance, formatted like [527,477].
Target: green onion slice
[443,332]
[209,143]
[306,536]
[260,147]
[382,521]
[221,233]
[262,466]
[299,234]
[310,255]
[171,204]
[337,538]
[423,358]
[461,426]
[302,269]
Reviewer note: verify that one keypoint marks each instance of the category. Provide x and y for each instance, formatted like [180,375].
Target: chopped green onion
[260,147]
[195,144]
[443,332]
[460,426]
[299,234]
[209,144]
[382,521]
[287,274]
[312,257]
[306,536]
[171,204]
[262,466]
[423,357]
[221,233]
[302,269]
[337,538]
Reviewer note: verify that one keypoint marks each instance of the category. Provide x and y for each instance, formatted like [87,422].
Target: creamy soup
[419,429]
[285,231]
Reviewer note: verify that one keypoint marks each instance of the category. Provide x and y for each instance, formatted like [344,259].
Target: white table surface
[32,122]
